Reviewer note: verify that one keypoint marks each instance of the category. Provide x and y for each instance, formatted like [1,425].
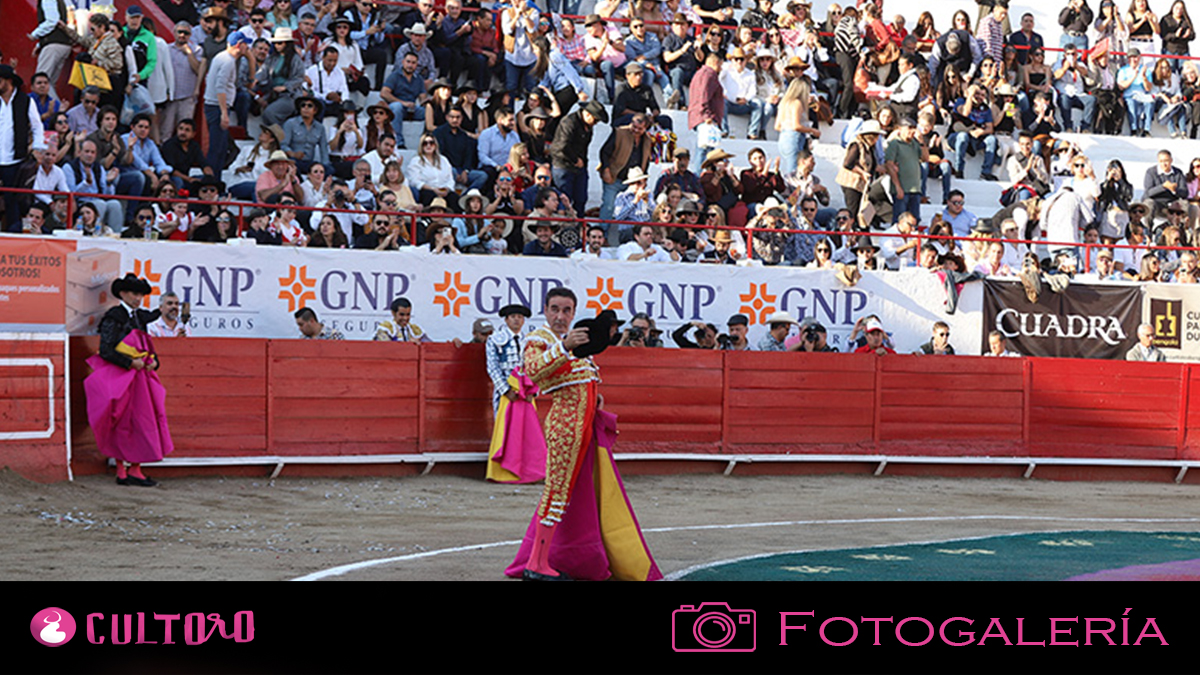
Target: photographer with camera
[706,336]
[340,198]
[813,337]
[173,318]
[738,326]
[641,332]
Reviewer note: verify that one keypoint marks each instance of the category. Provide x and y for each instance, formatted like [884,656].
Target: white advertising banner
[1174,311]
[249,291]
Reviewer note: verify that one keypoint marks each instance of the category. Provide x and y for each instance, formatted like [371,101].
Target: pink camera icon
[712,627]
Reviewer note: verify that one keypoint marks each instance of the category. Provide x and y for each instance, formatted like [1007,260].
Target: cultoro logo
[1012,323]
[757,304]
[53,626]
[297,287]
[143,268]
[452,294]
[605,296]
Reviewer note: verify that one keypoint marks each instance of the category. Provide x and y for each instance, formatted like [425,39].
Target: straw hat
[282,34]
[278,156]
[869,127]
[715,156]
[636,175]
[472,193]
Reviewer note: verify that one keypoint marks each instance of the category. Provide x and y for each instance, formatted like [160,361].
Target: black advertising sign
[1084,321]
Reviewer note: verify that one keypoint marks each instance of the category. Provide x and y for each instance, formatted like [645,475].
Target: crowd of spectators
[502,164]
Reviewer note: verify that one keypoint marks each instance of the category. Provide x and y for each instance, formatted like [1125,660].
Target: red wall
[25,407]
[296,397]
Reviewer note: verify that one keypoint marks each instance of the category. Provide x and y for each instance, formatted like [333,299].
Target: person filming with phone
[173,320]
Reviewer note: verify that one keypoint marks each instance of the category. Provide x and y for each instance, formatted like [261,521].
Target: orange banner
[33,281]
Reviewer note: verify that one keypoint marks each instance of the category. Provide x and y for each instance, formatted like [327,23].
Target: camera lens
[719,627]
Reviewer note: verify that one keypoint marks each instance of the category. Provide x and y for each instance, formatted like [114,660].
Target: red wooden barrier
[33,410]
[297,397]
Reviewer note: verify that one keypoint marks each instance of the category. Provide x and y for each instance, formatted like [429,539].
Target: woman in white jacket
[430,173]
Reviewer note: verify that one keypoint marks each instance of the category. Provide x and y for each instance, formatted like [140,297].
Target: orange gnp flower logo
[605,296]
[452,294]
[297,287]
[758,304]
[142,268]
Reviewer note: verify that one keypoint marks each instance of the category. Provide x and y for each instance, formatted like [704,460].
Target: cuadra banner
[250,291]
[1093,321]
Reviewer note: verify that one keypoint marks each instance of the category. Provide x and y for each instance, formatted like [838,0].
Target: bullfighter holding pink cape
[126,403]
[590,533]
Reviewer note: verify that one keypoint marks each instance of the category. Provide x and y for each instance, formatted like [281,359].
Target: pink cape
[127,408]
[599,536]
[518,450]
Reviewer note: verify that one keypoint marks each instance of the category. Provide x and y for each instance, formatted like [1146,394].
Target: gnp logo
[830,306]
[338,290]
[758,304]
[53,627]
[606,296]
[1165,316]
[660,300]
[452,293]
[142,268]
[297,288]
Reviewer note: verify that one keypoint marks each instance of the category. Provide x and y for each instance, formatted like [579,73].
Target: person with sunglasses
[304,137]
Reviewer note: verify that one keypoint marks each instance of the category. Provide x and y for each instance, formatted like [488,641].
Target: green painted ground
[1026,557]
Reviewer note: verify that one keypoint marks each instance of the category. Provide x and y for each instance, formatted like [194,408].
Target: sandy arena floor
[455,528]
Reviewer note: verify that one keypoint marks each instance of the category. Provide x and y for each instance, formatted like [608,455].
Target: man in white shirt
[740,90]
[49,177]
[380,156]
[643,247]
[168,324]
[1064,215]
[328,83]
[593,246]
[901,251]
[20,131]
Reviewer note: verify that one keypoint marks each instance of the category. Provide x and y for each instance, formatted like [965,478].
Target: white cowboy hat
[870,127]
[473,192]
[636,175]
[282,34]
[780,317]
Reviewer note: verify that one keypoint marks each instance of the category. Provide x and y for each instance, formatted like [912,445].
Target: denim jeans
[518,79]
[679,82]
[609,199]
[944,168]
[790,145]
[1140,111]
[604,70]
[752,107]
[402,113]
[962,141]
[574,183]
[1067,104]
[218,138]
[910,202]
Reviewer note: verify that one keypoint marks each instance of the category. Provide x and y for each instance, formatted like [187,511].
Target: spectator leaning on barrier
[779,324]
[312,329]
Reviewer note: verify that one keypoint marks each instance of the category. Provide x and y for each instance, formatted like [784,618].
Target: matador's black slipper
[530,575]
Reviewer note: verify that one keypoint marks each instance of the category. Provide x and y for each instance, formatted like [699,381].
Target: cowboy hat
[687,206]
[599,334]
[276,131]
[473,193]
[381,106]
[506,218]
[7,73]
[864,243]
[781,316]
[722,236]
[869,127]
[715,156]
[439,84]
[1006,89]
[130,283]
[278,156]
[282,34]
[771,204]
[538,113]
[306,97]
[417,29]
[593,18]
[438,203]
[211,181]
[219,13]
[636,175]
[597,111]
